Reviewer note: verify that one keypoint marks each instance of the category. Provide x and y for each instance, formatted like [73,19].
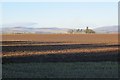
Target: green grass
[61,70]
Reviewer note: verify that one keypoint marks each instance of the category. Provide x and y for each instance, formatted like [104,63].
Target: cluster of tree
[87,30]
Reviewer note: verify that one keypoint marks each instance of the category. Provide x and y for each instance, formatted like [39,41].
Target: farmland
[61,52]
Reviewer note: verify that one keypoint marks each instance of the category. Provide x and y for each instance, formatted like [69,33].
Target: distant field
[22,49]
[63,38]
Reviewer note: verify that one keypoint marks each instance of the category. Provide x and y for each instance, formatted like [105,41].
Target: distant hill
[34,30]
[107,29]
[30,28]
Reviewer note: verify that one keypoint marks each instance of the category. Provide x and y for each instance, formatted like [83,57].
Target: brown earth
[65,38]
[59,47]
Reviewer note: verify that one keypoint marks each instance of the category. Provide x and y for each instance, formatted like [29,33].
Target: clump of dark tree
[81,31]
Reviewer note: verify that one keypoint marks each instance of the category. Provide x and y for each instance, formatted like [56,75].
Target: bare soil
[59,47]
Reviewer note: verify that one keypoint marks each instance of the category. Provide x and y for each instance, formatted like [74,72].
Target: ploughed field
[59,55]
[59,47]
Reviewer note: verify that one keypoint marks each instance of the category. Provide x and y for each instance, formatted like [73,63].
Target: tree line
[87,30]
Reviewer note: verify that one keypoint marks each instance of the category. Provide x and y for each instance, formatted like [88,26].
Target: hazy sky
[61,14]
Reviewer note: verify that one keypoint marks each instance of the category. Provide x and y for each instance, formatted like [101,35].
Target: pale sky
[61,14]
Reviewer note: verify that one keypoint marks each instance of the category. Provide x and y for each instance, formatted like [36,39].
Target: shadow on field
[27,42]
[70,57]
[48,47]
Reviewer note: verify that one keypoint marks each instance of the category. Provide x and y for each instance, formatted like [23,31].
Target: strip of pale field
[67,51]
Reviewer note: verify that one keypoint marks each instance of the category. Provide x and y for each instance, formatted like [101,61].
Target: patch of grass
[61,70]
